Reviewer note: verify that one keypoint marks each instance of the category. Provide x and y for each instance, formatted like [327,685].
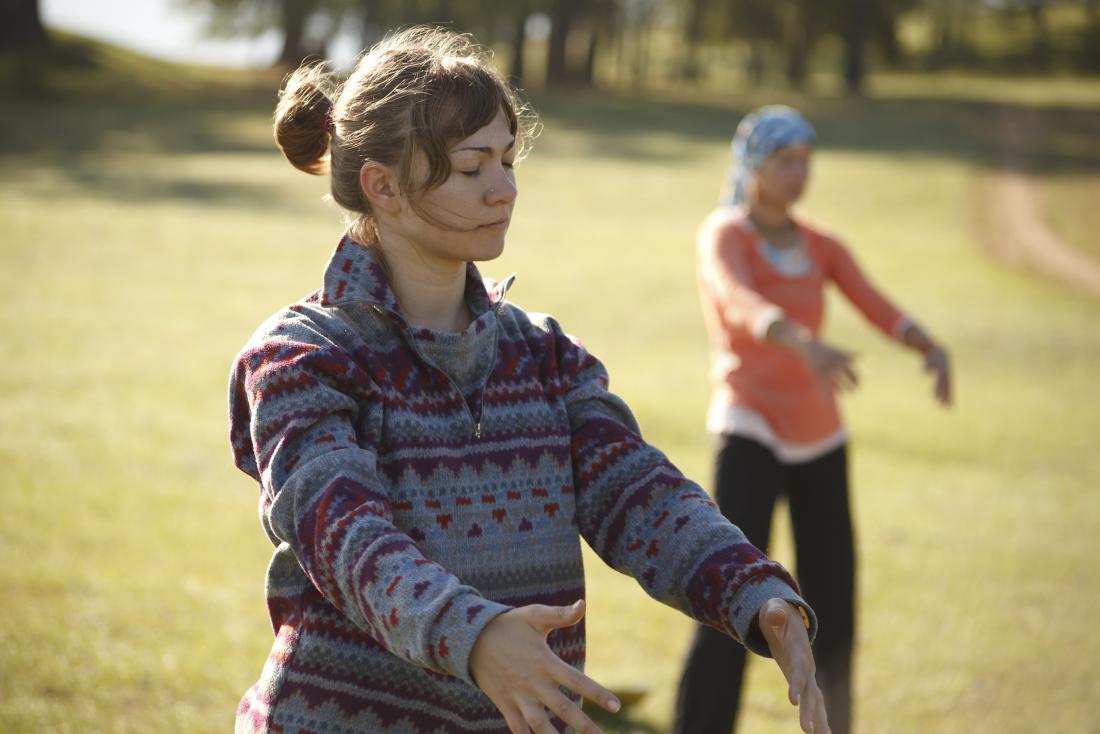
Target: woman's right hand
[831,365]
[512,664]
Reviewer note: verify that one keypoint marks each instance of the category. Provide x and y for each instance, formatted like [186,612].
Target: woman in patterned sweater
[762,279]
[429,455]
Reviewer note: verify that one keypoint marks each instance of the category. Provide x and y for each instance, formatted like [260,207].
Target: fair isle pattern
[399,532]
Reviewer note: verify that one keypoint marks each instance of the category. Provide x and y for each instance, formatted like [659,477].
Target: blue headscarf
[762,132]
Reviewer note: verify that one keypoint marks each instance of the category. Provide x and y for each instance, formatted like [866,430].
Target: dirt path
[1013,226]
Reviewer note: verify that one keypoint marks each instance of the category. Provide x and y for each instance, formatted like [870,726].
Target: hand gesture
[512,664]
[832,365]
[936,362]
[782,626]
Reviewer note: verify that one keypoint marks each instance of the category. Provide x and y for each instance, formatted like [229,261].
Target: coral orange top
[762,390]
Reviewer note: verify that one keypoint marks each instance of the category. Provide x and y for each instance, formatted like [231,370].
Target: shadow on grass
[100,101]
[623,125]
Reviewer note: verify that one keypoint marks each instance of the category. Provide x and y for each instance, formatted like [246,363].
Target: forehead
[495,135]
[794,150]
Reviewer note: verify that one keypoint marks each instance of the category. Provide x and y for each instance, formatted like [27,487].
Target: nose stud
[492,189]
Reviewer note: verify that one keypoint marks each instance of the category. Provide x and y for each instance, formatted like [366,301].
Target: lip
[500,224]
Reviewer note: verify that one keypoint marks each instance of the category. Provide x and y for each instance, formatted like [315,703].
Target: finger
[839,380]
[851,374]
[819,720]
[585,687]
[568,711]
[775,614]
[821,716]
[545,618]
[800,665]
[514,719]
[534,713]
[808,710]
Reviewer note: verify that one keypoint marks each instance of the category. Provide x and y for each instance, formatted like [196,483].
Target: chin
[487,250]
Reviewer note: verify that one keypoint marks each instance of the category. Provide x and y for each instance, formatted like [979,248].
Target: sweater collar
[356,274]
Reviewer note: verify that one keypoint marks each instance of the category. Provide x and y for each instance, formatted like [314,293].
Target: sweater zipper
[481,391]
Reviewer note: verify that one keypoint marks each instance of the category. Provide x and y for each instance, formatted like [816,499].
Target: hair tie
[328,124]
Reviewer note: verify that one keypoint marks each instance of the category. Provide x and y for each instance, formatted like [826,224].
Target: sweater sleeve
[300,424]
[862,293]
[645,519]
[727,280]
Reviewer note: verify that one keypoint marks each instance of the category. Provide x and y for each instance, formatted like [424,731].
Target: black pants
[749,479]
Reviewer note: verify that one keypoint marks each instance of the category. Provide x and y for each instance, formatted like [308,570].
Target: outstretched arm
[783,628]
[936,361]
[644,518]
[871,302]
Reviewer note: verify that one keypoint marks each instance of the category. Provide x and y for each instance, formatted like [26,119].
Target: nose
[502,190]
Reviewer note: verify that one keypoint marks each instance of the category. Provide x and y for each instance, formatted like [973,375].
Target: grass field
[146,230]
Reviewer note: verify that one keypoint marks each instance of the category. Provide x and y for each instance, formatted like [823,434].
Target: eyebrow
[485,148]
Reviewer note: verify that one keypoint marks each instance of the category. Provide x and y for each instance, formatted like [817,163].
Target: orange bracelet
[805,617]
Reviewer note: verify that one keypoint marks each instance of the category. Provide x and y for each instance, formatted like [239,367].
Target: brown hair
[420,89]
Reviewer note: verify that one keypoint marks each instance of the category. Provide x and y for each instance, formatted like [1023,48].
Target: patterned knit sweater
[407,514]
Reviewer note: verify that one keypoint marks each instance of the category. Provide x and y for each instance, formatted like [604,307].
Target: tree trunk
[557,69]
[1040,47]
[798,55]
[294,14]
[754,65]
[519,42]
[855,36]
[588,76]
[693,32]
[22,26]
[886,33]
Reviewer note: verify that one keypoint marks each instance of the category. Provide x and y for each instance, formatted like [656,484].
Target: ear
[379,185]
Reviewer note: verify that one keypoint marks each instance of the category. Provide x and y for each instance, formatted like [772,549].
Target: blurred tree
[521,11]
[693,34]
[562,13]
[291,17]
[1088,57]
[576,27]
[22,26]
[1040,45]
[950,25]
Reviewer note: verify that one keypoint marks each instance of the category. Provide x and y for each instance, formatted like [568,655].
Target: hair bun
[303,119]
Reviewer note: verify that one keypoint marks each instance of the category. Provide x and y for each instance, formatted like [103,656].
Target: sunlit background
[148,225]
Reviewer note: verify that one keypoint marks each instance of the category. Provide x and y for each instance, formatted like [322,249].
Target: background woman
[763,273]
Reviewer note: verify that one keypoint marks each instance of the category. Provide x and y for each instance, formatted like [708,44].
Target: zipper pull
[477,429]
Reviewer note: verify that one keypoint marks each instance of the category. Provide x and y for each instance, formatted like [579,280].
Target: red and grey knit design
[406,513]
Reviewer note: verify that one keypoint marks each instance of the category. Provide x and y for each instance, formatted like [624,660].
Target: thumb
[775,614]
[546,618]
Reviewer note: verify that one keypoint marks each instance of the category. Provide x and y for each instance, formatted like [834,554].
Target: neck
[771,216]
[431,291]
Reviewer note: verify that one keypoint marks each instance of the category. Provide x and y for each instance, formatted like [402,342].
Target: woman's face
[782,178]
[466,217]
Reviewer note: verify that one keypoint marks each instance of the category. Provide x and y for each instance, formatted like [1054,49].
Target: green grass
[146,235]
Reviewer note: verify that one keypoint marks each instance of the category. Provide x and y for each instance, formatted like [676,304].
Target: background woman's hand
[830,364]
[512,664]
[786,635]
[937,362]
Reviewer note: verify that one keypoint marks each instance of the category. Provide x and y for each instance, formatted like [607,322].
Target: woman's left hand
[786,635]
[936,361]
